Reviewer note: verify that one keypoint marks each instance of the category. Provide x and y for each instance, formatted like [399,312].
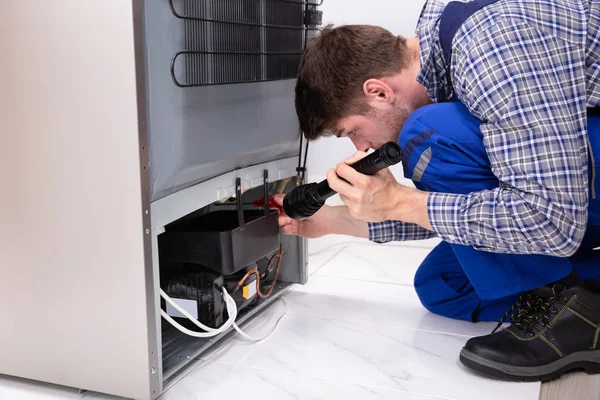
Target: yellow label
[249,291]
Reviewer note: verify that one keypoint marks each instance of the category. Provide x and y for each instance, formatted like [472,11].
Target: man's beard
[396,119]
[392,121]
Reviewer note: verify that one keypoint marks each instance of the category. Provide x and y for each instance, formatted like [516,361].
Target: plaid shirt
[528,69]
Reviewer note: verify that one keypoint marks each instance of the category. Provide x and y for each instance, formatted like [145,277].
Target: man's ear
[378,90]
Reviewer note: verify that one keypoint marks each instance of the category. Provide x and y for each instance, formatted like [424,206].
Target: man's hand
[313,227]
[378,197]
[328,220]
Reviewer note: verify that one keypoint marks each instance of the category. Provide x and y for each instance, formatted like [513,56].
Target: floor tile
[224,382]
[389,264]
[369,355]
[322,258]
[332,242]
[371,302]
[323,243]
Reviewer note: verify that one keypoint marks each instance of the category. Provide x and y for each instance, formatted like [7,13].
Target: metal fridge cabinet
[116,119]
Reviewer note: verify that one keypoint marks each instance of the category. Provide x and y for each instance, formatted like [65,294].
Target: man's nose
[360,143]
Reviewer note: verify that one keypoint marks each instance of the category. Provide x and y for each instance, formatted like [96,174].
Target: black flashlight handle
[387,155]
[305,200]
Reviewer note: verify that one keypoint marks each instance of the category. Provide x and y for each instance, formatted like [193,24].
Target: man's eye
[351,133]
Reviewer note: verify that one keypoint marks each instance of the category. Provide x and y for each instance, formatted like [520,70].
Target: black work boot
[553,330]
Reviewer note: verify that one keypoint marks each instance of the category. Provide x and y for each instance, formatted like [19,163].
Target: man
[508,186]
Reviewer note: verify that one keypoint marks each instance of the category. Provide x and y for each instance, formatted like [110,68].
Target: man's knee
[442,286]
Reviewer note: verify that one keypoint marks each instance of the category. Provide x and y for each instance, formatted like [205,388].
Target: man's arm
[327,221]
[376,199]
[530,88]
[339,221]
[342,223]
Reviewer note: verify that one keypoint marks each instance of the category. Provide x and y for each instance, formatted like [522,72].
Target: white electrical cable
[231,310]
[211,332]
[254,339]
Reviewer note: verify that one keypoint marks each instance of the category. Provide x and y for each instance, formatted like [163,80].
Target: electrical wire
[299,169]
[288,247]
[255,272]
[231,307]
[256,340]
[305,158]
[210,332]
[268,267]
[229,302]
[232,310]
[302,168]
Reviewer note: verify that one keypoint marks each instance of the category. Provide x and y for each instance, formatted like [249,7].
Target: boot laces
[531,308]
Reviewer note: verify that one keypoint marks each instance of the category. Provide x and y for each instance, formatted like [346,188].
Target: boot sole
[588,361]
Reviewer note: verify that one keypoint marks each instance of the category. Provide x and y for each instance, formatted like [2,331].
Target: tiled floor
[356,331]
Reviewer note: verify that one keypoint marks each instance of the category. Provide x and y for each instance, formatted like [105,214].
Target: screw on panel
[153,370]
[147,231]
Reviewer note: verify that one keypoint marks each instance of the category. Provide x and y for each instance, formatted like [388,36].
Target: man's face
[373,130]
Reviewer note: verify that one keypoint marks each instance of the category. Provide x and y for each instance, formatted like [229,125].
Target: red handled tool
[260,203]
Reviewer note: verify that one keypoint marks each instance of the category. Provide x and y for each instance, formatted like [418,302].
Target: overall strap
[593,112]
[454,15]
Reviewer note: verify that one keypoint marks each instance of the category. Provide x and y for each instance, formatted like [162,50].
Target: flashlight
[305,200]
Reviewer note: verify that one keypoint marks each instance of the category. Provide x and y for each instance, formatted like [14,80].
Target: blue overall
[443,151]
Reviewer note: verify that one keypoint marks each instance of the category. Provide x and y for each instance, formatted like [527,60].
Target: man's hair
[334,68]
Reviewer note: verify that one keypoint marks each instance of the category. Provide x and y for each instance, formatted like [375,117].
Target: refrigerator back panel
[221,77]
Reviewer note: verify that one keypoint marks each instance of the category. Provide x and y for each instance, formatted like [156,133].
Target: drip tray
[222,240]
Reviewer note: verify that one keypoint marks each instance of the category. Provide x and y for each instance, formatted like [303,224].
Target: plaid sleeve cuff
[383,232]
[444,212]
[397,231]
